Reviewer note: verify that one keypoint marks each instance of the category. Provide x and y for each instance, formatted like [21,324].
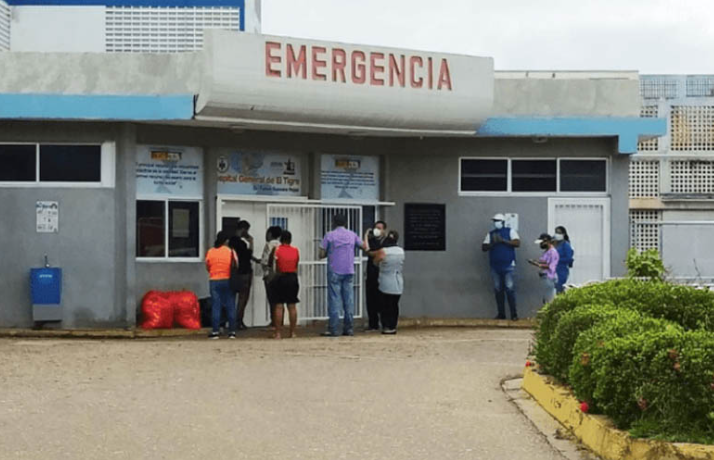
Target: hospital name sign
[373,68]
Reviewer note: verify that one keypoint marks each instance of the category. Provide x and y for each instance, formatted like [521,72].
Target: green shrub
[572,323]
[589,349]
[646,264]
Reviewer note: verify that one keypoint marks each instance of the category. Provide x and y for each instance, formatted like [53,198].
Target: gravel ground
[423,394]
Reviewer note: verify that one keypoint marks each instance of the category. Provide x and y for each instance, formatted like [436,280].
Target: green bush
[645,264]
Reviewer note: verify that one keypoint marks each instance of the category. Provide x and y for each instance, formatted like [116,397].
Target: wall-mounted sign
[266,81]
[346,177]
[258,173]
[424,227]
[173,171]
[47,216]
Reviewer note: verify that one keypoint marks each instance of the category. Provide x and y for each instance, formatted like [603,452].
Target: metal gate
[308,224]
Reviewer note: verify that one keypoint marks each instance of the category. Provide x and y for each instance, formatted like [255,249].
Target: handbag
[236,279]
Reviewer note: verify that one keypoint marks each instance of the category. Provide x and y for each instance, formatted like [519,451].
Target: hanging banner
[346,177]
[173,171]
[259,173]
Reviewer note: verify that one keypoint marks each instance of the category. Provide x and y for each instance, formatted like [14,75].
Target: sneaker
[499,317]
[232,335]
[214,335]
[389,331]
[369,330]
[327,334]
[515,318]
[348,333]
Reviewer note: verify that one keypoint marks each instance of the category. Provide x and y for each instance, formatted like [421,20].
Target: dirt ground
[423,394]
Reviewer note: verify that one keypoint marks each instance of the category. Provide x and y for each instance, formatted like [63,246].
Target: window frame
[201,240]
[107,167]
[509,179]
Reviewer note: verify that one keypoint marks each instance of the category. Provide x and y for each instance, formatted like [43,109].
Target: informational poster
[259,173]
[47,216]
[350,177]
[424,227]
[172,171]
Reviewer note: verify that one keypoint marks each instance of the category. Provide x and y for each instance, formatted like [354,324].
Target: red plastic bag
[157,311]
[187,312]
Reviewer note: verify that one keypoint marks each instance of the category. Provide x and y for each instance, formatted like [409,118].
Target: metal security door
[588,223]
[308,224]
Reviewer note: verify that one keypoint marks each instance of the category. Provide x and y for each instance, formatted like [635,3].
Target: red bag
[187,312]
[156,311]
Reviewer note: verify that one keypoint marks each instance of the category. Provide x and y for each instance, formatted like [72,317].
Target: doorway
[588,223]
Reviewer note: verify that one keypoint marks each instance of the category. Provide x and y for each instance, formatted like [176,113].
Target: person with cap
[547,266]
[501,243]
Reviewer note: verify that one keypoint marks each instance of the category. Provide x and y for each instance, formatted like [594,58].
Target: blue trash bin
[46,293]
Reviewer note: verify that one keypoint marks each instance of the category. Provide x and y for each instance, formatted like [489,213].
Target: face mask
[377,232]
[559,237]
[544,246]
[498,224]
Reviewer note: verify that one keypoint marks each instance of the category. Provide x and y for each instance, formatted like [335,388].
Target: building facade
[120,26]
[672,177]
[144,157]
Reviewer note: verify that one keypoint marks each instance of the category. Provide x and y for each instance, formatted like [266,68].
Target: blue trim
[242,15]
[89,107]
[628,130]
[145,3]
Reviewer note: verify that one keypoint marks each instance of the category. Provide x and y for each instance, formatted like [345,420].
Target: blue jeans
[340,296]
[222,297]
[504,286]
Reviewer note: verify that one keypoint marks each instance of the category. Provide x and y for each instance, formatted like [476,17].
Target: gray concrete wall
[85,247]
[457,283]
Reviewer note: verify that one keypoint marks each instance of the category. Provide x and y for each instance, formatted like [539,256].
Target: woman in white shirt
[390,260]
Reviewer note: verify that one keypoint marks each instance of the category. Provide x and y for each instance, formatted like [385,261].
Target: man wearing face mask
[374,240]
[501,244]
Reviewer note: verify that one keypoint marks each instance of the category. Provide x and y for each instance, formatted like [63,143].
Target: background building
[672,177]
[120,26]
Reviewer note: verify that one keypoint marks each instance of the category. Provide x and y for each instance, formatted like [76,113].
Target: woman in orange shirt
[219,260]
[285,286]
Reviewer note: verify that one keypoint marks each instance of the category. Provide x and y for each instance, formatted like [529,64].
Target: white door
[588,223]
[232,211]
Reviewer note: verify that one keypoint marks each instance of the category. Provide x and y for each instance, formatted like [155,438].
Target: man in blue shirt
[501,244]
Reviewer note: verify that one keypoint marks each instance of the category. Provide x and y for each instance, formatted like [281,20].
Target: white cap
[499,216]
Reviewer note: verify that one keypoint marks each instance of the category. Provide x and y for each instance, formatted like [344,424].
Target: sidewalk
[314,326]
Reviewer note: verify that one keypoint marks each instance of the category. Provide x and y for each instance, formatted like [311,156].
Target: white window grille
[644,179]
[651,145]
[700,86]
[658,87]
[4,26]
[164,30]
[645,229]
[692,176]
[692,127]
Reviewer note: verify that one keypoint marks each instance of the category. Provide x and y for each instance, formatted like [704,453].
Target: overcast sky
[652,36]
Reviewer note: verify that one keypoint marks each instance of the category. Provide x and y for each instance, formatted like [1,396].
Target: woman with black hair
[219,261]
[565,251]
[390,260]
[285,286]
[272,241]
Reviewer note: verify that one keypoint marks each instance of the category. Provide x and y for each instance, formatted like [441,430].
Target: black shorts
[285,288]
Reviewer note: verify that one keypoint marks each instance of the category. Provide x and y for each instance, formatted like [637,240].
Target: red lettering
[296,65]
[338,65]
[318,63]
[444,75]
[374,68]
[431,73]
[271,59]
[413,61]
[395,70]
[359,74]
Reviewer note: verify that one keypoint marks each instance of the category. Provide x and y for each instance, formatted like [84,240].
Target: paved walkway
[423,394]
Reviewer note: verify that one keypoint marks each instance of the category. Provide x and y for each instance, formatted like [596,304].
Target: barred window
[644,179]
[658,87]
[645,229]
[692,127]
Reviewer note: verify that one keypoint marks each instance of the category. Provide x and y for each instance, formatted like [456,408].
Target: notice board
[424,227]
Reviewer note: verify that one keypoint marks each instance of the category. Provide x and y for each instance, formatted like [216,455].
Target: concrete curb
[597,433]
[137,333]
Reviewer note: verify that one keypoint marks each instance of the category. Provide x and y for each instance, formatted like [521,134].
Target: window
[484,175]
[57,165]
[532,176]
[168,229]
